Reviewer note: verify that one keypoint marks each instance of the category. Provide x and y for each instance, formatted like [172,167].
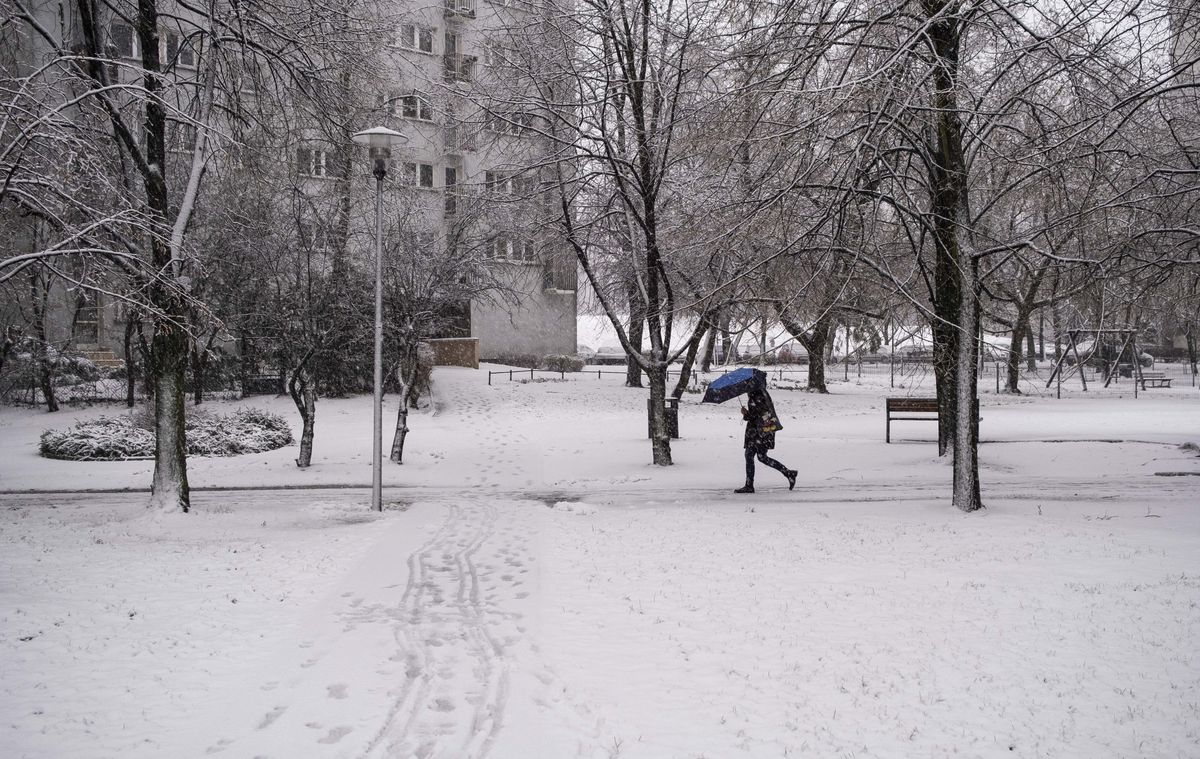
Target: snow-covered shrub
[78,368]
[105,438]
[562,363]
[264,419]
[247,430]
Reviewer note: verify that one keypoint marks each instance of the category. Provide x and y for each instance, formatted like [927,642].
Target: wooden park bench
[1155,379]
[913,410]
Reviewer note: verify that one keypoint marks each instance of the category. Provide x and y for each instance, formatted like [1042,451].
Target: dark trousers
[762,456]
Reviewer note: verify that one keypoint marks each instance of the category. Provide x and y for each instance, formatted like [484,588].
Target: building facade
[464,169]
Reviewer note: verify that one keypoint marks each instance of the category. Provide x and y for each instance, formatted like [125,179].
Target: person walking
[761,425]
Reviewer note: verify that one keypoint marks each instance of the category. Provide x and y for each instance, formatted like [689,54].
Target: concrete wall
[541,322]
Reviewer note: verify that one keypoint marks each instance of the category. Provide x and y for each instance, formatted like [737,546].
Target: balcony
[458,9]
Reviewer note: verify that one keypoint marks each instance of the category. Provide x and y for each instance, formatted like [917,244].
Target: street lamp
[380,140]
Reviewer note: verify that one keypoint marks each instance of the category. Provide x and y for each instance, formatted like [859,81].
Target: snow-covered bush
[562,363]
[247,430]
[105,438]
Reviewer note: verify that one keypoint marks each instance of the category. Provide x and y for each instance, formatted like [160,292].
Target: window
[123,41]
[416,106]
[415,37]
[451,193]
[523,185]
[525,250]
[505,248]
[498,181]
[416,174]
[515,124]
[508,183]
[313,162]
[177,54]
[459,68]
[386,102]
[451,42]
[499,248]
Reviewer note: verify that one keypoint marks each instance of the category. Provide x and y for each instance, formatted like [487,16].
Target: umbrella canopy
[735,383]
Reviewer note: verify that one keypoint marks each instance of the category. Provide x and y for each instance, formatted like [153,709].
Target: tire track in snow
[450,652]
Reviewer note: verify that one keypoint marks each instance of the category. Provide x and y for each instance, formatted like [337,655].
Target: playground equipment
[1101,350]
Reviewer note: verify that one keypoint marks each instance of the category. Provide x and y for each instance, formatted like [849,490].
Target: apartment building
[469,164]
[463,166]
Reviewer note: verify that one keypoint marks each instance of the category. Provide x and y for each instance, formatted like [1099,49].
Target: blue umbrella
[735,383]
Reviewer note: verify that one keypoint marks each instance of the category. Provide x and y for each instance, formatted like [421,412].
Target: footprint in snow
[337,691]
[335,734]
[271,716]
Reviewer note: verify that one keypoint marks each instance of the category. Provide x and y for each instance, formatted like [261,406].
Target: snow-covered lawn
[537,589]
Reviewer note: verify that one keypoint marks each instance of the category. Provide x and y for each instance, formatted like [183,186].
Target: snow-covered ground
[537,589]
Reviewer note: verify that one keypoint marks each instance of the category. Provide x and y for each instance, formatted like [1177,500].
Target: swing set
[1110,361]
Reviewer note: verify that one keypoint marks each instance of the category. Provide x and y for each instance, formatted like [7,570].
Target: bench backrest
[927,405]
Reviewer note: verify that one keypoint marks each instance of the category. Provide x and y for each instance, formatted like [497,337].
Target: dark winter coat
[761,422]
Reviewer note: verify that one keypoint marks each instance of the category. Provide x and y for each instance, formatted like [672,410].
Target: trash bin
[672,409]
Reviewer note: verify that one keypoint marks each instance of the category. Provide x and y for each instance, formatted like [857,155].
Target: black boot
[747,488]
[791,478]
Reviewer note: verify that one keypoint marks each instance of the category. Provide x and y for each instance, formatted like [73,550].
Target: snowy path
[416,652]
[456,671]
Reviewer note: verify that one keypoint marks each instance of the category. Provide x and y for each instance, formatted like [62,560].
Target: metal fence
[911,374]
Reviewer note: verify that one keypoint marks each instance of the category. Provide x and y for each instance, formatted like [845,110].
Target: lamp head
[379,141]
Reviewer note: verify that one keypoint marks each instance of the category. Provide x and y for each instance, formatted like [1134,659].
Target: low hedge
[562,363]
[247,430]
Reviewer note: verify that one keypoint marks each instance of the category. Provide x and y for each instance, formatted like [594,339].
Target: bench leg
[887,438]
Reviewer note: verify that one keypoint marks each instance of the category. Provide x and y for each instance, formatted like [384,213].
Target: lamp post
[380,141]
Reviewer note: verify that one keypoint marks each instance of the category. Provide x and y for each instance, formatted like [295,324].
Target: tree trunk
[397,454]
[726,340]
[303,391]
[198,366]
[407,375]
[710,346]
[816,346]
[1030,348]
[956,299]
[43,365]
[169,348]
[660,441]
[169,343]
[8,344]
[814,341]
[1021,328]
[1190,335]
[637,323]
[200,359]
[130,365]
[966,440]
[1041,336]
